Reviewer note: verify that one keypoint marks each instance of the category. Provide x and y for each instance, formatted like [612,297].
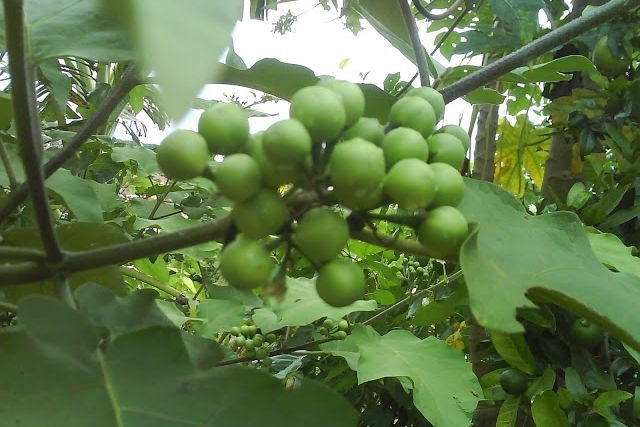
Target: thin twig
[128,81]
[27,120]
[536,48]
[160,199]
[413,297]
[450,30]
[436,16]
[135,274]
[418,49]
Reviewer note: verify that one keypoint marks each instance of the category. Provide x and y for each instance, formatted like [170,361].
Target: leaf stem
[160,199]
[4,156]
[135,274]
[418,49]
[25,106]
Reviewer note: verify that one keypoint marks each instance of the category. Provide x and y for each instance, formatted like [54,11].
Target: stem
[27,122]
[450,30]
[413,297]
[279,351]
[536,48]
[418,49]
[436,16]
[4,156]
[389,242]
[63,290]
[408,220]
[22,253]
[160,199]
[135,274]
[120,90]
[7,306]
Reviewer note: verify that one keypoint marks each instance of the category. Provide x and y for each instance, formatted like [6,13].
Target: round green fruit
[240,341]
[434,98]
[449,185]
[182,155]
[246,264]
[238,177]
[328,324]
[404,143]
[442,232]
[273,176]
[415,113]
[261,353]
[351,95]
[249,344]
[343,325]
[357,169]
[366,128]
[321,234]
[253,329]
[341,335]
[586,334]
[225,127]
[459,133]
[260,216]
[446,148]
[244,330]
[606,62]
[286,143]
[320,110]
[340,283]
[513,381]
[411,184]
[235,331]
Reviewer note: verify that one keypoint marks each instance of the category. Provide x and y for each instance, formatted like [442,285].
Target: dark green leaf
[508,414]
[546,410]
[514,350]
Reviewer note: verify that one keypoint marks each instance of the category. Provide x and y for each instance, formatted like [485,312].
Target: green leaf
[546,411]
[169,309]
[613,253]
[72,28]
[58,83]
[439,310]
[573,382]
[219,316]
[590,372]
[578,195]
[557,69]
[445,390]
[636,403]
[120,315]
[491,387]
[484,95]
[513,348]
[185,57]
[144,157]
[79,236]
[542,383]
[6,111]
[302,305]
[607,399]
[283,80]
[508,414]
[503,262]
[521,16]
[77,194]
[72,371]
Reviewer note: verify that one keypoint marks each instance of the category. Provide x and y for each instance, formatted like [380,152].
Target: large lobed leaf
[56,372]
[513,255]
[445,390]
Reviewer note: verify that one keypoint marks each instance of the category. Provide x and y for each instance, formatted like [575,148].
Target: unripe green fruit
[343,325]
[459,133]
[366,128]
[238,177]
[249,344]
[606,62]
[449,185]
[244,330]
[513,381]
[328,323]
[260,216]
[271,337]
[351,96]
[415,113]
[443,231]
[446,148]
[266,362]
[341,335]
[586,334]
[235,331]
[321,234]
[253,329]
[434,98]
[320,110]
[357,169]
[340,283]
[323,331]
[411,184]
[225,127]
[273,176]
[286,142]
[240,341]
[245,264]
[404,143]
[182,155]
[258,340]
[261,353]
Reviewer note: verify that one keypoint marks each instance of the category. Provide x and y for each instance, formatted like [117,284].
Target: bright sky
[319,41]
